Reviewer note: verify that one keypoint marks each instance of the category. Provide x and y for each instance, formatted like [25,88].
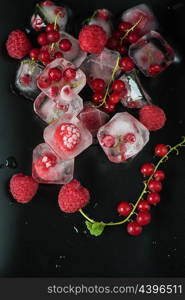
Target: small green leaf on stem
[96,228]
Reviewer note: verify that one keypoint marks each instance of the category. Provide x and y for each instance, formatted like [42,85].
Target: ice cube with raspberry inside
[61,81]
[143,15]
[49,111]
[68,137]
[102,17]
[151,54]
[47,166]
[47,12]
[93,118]
[123,137]
[26,78]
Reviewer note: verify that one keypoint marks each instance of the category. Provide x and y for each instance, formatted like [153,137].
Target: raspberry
[18,44]
[73,197]
[43,166]
[68,136]
[92,39]
[23,188]
[152,117]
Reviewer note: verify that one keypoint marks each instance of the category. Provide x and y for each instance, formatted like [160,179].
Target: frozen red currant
[117,35]
[143,218]
[65,45]
[155,186]
[44,82]
[108,141]
[55,74]
[25,79]
[47,3]
[98,85]
[159,175]
[52,27]
[34,53]
[147,169]
[129,138]
[53,36]
[69,73]
[97,97]
[115,98]
[143,206]
[42,39]
[109,107]
[161,150]
[132,37]
[153,198]
[112,43]
[118,86]
[44,56]
[58,55]
[122,49]
[68,136]
[154,70]
[124,26]
[126,64]
[124,209]
[133,228]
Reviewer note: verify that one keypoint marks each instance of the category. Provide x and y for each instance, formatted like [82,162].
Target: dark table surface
[38,239]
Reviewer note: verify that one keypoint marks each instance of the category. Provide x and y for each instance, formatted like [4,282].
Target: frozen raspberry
[23,188]
[43,166]
[73,197]
[152,117]
[92,39]
[18,44]
[68,136]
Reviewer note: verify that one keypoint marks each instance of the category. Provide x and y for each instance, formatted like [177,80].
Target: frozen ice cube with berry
[122,137]
[68,137]
[152,54]
[102,17]
[61,81]
[47,166]
[143,14]
[93,118]
[26,78]
[49,111]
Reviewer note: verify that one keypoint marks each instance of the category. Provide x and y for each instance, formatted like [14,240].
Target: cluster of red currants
[154,186]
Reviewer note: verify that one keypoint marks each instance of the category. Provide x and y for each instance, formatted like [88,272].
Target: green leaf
[96,228]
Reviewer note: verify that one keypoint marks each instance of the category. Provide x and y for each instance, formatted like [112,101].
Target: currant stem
[89,19]
[131,29]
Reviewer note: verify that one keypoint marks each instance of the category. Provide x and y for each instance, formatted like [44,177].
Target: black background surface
[38,239]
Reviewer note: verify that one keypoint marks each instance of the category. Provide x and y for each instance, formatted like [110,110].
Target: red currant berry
[103,14]
[153,198]
[122,49]
[69,74]
[161,150]
[159,175]
[112,43]
[53,36]
[155,186]
[109,107]
[47,3]
[118,86]
[58,55]
[44,56]
[44,82]
[143,218]
[129,138]
[34,53]
[65,45]
[124,209]
[42,39]
[132,37]
[54,91]
[98,85]
[97,97]
[124,26]
[51,27]
[154,70]
[143,206]
[115,98]
[55,74]
[117,35]
[25,80]
[147,169]
[108,141]
[133,228]
[126,64]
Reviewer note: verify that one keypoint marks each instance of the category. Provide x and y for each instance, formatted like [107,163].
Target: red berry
[122,49]
[25,80]
[143,218]
[129,138]
[112,43]
[44,56]
[132,37]
[58,55]
[43,82]
[117,35]
[109,107]
[54,91]
[161,150]
[133,228]
[154,70]
[124,26]
[124,209]
[126,64]
[143,206]
[152,117]
[155,186]
[47,160]
[97,97]
[47,3]
[42,39]
[51,27]
[103,14]
[55,74]
[69,74]
[108,141]
[115,98]
[147,169]
[34,53]
[18,44]
[65,45]
[53,36]
[68,136]
[118,86]
[153,198]
[159,175]
[98,84]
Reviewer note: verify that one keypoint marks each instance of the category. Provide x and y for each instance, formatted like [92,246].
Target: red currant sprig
[129,30]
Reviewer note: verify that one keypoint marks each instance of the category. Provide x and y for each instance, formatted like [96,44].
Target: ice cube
[151,53]
[62,91]
[122,137]
[102,17]
[68,137]
[101,65]
[47,166]
[45,14]
[143,14]
[49,111]
[26,78]
[93,118]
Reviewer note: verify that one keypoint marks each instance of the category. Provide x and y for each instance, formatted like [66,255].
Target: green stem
[131,29]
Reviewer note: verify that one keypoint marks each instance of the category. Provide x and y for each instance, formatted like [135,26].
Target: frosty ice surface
[122,137]
[150,53]
[62,91]
[49,111]
[26,78]
[92,118]
[68,137]
[143,14]
[48,168]
[103,19]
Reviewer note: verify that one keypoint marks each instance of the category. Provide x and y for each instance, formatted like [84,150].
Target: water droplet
[76,229]
[11,162]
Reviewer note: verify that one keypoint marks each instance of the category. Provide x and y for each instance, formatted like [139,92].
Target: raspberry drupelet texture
[152,117]
[18,44]
[73,197]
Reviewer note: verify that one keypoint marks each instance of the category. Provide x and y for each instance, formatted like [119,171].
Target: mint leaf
[96,228]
